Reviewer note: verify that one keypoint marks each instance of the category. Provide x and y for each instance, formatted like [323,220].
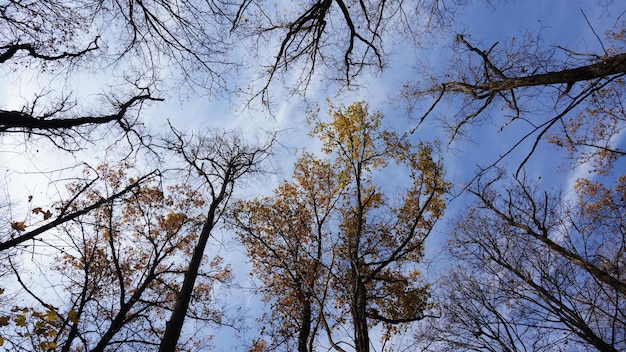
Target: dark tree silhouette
[337,39]
[535,270]
[219,161]
[574,88]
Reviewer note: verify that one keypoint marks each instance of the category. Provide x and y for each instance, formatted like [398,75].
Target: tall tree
[117,270]
[576,98]
[539,271]
[370,243]
[287,237]
[217,162]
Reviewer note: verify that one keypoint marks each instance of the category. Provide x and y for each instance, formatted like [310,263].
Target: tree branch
[11,121]
[62,219]
[12,49]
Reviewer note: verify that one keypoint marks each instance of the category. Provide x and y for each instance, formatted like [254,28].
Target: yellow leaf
[50,316]
[1,341]
[44,345]
[72,316]
[20,320]
[19,226]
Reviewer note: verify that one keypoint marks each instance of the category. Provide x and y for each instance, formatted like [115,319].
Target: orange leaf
[19,226]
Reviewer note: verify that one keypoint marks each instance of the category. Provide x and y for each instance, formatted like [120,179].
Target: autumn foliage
[119,269]
[334,249]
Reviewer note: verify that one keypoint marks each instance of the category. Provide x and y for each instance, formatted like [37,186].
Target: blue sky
[561,21]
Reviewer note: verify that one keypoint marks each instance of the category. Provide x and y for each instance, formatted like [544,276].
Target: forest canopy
[312,175]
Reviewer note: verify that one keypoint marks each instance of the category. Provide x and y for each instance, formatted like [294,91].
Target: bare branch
[12,49]
[71,216]
[13,121]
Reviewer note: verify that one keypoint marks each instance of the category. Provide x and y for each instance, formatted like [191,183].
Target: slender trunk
[359,315]
[65,218]
[177,319]
[121,318]
[174,326]
[359,298]
[114,328]
[305,329]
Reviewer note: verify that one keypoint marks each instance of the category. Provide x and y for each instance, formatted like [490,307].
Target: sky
[561,22]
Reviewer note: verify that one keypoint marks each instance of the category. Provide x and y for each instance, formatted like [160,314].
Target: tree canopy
[342,245]
[135,201]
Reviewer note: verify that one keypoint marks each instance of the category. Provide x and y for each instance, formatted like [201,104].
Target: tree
[287,238]
[124,48]
[539,272]
[219,161]
[152,45]
[538,269]
[335,39]
[141,49]
[581,93]
[365,245]
[117,270]
[61,42]
[124,247]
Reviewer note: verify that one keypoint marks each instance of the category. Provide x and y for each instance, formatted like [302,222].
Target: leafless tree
[134,40]
[570,99]
[333,40]
[538,272]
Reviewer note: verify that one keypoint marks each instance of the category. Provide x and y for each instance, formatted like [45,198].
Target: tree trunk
[121,318]
[174,326]
[17,120]
[359,315]
[305,329]
[607,67]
